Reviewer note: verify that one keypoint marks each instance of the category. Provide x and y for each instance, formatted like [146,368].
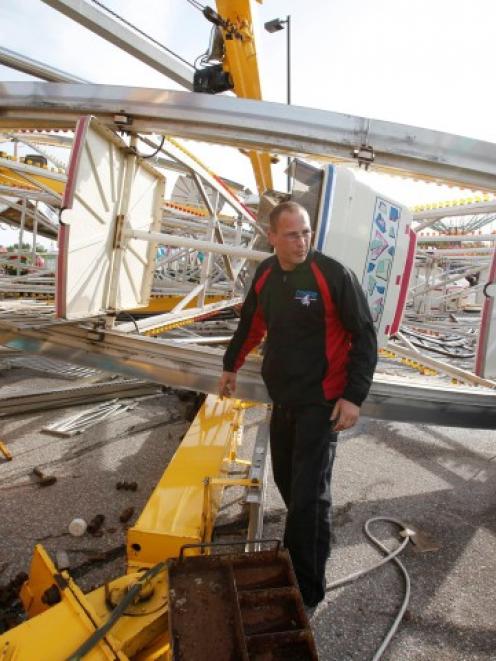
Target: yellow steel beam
[10,176]
[16,180]
[173,515]
[168,302]
[241,63]
[261,164]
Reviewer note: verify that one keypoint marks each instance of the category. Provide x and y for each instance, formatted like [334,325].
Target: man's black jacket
[321,343]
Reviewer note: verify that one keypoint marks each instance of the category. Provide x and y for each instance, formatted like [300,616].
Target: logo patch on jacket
[306,297]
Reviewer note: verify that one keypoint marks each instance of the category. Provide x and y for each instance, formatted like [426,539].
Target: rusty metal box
[232,606]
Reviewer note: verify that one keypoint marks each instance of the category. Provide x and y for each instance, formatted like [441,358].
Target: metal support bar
[12,191]
[198,368]
[170,219]
[445,279]
[82,421]
[187,298]
[25,168]
[21,234]
[208,516]
[43,152]
[171,319]
[255,495]
[72,396]
[125,38]
[456,238]
[207,246]
[398,148]
[35,68]
[450,370]
[35,215]
[460,253]
[431,215]
[206,267]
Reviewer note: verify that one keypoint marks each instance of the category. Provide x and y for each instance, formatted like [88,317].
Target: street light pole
[288,60]
[274,26]
[288,57]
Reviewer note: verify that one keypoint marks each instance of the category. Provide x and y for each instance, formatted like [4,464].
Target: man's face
[291,240]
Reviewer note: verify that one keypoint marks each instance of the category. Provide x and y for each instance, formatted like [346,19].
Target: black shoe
[310,610]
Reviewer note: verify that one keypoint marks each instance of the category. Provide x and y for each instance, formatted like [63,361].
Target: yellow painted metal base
[167,303]
[173,515]
[181,510]
[54,633]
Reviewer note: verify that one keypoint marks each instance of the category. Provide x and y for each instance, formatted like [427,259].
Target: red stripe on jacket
[337,342]
[258,325]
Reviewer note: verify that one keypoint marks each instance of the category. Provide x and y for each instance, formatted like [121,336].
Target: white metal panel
[135,261]
[109,190]
[371,235]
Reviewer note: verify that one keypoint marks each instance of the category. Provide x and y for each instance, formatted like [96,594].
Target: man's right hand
[227,384]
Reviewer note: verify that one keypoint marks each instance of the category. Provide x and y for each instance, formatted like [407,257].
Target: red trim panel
[77,148]
[61,271]
[226,187]
[258,325]
[337,342]
[405,282]
[487,310]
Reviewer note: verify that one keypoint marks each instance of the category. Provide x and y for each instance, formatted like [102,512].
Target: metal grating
[56,367]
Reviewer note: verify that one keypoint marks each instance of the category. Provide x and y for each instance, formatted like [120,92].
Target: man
[318,363]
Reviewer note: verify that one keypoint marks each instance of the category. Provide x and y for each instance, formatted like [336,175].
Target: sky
[427,63]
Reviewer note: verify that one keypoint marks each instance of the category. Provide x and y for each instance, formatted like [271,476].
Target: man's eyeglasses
[296,236]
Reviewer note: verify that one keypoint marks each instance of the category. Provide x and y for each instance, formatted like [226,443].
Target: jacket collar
[304,266]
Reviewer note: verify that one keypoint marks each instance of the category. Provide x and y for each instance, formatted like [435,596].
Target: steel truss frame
[198,368]
[252,125]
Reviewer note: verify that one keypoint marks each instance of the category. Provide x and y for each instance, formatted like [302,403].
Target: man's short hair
[292,207]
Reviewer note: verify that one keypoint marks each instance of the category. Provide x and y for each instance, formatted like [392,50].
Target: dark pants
[303,447]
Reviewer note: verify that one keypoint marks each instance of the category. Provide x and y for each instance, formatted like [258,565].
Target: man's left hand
[345,414]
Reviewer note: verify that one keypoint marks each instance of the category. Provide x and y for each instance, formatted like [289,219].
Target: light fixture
[275,25]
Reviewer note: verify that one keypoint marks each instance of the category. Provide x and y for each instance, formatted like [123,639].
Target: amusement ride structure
[154,254]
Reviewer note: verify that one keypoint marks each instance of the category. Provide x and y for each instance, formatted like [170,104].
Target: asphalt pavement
[438,480]
[441,482]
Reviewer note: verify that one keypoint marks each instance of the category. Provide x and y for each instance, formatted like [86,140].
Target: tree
[15,246]
[26,246]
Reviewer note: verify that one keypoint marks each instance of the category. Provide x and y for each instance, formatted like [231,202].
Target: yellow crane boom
[242,65]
